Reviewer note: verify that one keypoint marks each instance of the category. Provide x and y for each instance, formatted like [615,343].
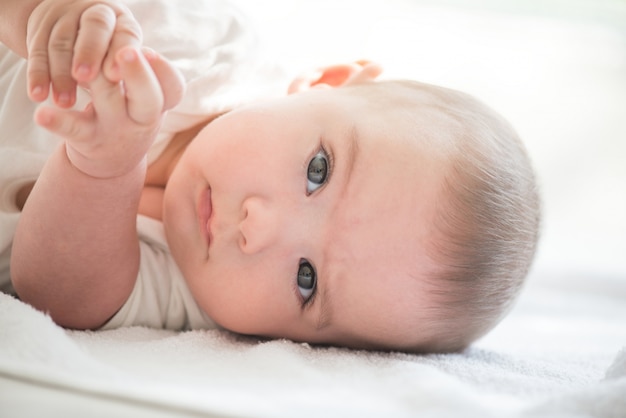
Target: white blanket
[555,354]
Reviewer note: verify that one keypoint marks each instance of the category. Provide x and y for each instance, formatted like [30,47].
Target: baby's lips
[205,210]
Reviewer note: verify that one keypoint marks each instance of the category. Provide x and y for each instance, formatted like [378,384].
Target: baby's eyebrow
[351,154]
[325,316]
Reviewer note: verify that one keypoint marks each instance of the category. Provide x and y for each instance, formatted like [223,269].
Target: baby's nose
[261,225]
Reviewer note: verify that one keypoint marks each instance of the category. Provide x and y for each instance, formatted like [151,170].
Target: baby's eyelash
[310,301]
[331,160]
[324,148]
[319,169]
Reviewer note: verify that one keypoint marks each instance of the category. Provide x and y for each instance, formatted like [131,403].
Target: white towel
[557,354]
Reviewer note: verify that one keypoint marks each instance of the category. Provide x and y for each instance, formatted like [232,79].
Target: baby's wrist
[103,168]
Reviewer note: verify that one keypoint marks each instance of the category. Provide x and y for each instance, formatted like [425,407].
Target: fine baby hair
[485,231]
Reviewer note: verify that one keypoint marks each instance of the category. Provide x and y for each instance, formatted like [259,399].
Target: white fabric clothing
[211,44]
[24,150]
[160,298]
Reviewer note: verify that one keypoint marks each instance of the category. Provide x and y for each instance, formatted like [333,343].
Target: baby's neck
[160,170]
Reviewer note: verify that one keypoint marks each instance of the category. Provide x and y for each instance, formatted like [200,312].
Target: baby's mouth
[205,209]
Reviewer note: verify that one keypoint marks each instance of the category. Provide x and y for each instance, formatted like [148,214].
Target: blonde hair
[487,223]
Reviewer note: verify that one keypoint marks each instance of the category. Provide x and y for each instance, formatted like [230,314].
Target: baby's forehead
[381,225]
[377,310]
[414,116]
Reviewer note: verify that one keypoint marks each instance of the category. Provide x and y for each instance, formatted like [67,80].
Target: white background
[555,69]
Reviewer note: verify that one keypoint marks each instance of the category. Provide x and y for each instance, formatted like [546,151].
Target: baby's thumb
[69,124]
[170,78]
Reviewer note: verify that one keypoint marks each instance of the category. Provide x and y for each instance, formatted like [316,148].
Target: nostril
[257,225]
[243,213]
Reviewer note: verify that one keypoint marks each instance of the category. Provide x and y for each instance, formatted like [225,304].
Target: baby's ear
[336,76]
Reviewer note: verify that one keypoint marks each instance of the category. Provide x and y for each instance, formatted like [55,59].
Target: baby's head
[486,226]
[484,219]
[384,215]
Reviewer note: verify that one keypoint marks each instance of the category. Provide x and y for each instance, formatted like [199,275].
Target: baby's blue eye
[307,279]
[317,172]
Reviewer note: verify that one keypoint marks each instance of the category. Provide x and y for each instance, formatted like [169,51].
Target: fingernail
[37,91]
[83,71]
[64,99]
[128,55]
[43,118]
[149,53]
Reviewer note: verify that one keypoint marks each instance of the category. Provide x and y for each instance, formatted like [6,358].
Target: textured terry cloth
[561,353]
[160,298]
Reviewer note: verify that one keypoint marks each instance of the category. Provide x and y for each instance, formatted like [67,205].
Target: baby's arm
[13,20]
[75,252]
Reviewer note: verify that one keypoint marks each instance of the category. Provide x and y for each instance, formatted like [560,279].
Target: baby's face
[307,217]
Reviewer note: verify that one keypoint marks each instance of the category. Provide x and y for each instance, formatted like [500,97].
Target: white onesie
[210,42]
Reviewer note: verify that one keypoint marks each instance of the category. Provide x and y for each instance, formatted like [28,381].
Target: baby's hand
[70,41]
[113,134]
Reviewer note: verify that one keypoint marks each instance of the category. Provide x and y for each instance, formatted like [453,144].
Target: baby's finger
[38,69]
[60,52]
[70,124]
[38,66]
[127,32]
[170,79]
[370,71]
[38,74]
[144,98]
[96,29]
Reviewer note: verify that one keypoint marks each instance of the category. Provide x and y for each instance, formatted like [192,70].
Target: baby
[388,215]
